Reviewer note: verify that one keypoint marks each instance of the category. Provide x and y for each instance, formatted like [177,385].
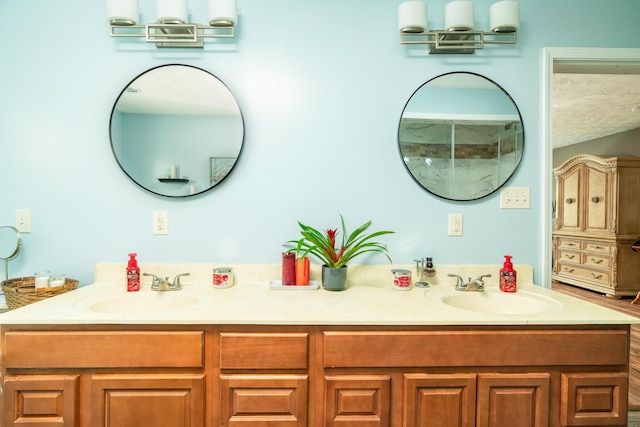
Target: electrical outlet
[23,220]
[160,223]
[515,198]
[455,224]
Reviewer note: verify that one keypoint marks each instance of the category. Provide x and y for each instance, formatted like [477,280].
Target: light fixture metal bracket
[441,41]
[174,35]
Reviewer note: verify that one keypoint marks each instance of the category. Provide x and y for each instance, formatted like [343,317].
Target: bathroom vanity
[253,356]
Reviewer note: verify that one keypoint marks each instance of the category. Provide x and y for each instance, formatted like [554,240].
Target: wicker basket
[21,291]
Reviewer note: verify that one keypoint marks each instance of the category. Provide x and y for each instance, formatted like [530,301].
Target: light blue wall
[151,143]
[321,85]
[457,101]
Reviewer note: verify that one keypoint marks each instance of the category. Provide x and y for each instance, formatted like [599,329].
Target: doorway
[578,60]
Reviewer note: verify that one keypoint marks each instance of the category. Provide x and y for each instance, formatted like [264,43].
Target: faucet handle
[149,274]
[479,279]
[176,280]
[156,280]
[459,281]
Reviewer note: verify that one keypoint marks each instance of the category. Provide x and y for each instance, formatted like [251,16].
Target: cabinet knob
[569,201]
[596,276]
[595,199]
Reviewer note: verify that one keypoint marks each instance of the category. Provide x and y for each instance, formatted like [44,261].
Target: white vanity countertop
[368,300]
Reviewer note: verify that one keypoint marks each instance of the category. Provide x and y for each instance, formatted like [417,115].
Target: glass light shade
[223,13]
[458,16]
[122,12]
[504,16]
[412,16]
[171,11]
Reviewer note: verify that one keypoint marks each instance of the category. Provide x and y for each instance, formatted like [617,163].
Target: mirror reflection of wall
[461,136]
[168,123]
[10,245]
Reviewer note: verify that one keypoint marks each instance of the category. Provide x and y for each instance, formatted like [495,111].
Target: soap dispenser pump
[507,276]
[133,274]
[429,271]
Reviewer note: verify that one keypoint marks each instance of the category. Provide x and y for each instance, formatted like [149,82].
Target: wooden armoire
[597,219]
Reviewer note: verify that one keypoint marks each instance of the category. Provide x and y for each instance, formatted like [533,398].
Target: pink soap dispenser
[133,274]
[507,276]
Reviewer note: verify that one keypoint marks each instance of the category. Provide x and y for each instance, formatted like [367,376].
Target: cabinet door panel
[41,400]
[569,203]
[508,400]
[357,400]
[263,400]
[594,399]
[134,400]
[439,400]
[597,195]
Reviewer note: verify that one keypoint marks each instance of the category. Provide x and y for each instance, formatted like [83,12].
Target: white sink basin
[144,302]
[494,301]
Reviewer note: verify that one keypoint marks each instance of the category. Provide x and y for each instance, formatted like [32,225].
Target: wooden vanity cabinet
[597,220]
[103,377]
[316,376]
[476,376]
[264,378]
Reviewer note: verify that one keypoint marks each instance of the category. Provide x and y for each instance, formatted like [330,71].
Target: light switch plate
[515,198]
[23,220]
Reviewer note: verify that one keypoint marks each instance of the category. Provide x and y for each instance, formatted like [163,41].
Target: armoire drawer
[569,244]
[570,256]
[599,247]
[595,276]
[596,260]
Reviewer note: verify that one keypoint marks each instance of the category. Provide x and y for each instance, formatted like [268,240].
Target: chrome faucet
[474,285]
[160,284]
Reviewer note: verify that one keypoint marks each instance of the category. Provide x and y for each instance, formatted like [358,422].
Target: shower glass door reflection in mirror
[461,136]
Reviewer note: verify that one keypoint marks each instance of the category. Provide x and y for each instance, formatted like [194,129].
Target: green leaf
[318,244]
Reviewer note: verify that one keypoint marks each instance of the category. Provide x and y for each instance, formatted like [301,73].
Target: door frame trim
[575,60]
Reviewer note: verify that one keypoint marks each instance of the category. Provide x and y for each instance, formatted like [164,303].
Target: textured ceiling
[590,106]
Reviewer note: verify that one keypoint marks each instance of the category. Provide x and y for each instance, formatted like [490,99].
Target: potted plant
[335,257]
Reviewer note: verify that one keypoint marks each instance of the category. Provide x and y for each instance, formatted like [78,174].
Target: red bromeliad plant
[323,246]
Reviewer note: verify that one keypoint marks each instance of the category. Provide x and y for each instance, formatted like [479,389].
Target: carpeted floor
[634,419]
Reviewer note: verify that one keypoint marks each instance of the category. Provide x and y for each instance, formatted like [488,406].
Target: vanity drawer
[595,276]
[264,350]
[104,349]
[481,347]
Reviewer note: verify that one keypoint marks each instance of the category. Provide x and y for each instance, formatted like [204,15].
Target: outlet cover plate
[455,224]
[160,223]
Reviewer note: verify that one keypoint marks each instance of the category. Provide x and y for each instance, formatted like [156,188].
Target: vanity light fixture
[459,35]
[172,28]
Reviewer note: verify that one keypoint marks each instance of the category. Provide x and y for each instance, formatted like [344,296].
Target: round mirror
[10,244]
[461,136]
[176,130]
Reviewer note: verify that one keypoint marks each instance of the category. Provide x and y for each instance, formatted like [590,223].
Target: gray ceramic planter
[334,279]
